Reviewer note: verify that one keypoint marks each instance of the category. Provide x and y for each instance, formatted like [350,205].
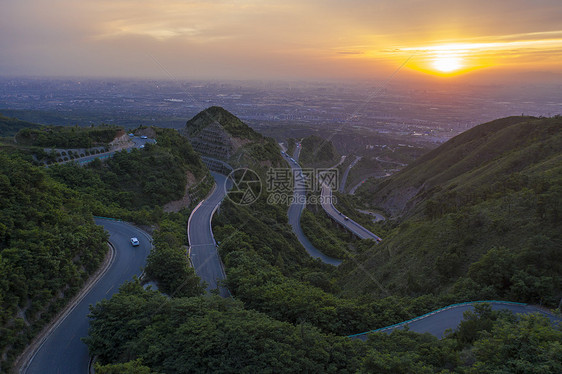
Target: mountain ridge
[217,133]
[491,196]
[474,149]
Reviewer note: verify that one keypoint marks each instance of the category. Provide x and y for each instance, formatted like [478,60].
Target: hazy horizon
[460,41]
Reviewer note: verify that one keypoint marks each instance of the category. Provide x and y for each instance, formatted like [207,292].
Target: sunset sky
[328,39]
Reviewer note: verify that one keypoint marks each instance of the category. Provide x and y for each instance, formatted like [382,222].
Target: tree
[168,266]
[131,367]
[527,345]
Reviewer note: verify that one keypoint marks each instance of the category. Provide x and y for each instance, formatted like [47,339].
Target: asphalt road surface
[202,246]
[372,175]
[138,142]
[346,222]
[346,173]
[62,351]
[376,216]
[297,152]
[437,322]
[295,211]
[342,159]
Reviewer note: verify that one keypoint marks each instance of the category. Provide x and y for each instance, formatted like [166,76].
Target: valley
[446,235]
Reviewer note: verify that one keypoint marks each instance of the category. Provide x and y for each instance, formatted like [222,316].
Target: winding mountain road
[344,221]
[438,321]
[346,173]
[137,142]
[202,246]
[376,216]
[62,350]
[297,206]
[353,189]
[342,159]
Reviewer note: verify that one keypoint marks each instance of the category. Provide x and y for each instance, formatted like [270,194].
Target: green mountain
[289,314]
[226,120]
[49,246]
[10,126]
[217,133]
[467,160]
[318,152]
[137,179]
[478,217]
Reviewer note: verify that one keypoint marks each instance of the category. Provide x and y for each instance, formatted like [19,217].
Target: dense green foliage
[318,152]
[139,180]
[131,367]
[528,345]
[140,328]
[68,137]
[291,144]
[486,341]
[269,271]
[316,227]
[250,148]
[408,352]
[258,154]
[49,245]
[210,334]
[167,262]
[485,222]
[481,155]
[10,126]
[461,239]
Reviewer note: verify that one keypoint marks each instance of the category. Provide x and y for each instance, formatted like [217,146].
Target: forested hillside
[49,246]
[10,126]
[140,331]
[290,313]
[135,184]
[318,152]
[479,217]
[228,121]
[67,137]
[217,133]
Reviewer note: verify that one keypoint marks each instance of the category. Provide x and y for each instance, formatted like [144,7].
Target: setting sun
[447,64]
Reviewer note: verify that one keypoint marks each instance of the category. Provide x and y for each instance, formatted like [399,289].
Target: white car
[144,137]
[135,242]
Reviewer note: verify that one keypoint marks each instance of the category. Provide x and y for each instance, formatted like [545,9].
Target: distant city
[422,113]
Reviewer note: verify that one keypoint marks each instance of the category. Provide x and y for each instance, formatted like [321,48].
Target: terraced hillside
[219,134]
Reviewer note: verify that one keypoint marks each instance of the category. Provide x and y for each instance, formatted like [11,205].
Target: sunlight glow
[453,59]
[447,64]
